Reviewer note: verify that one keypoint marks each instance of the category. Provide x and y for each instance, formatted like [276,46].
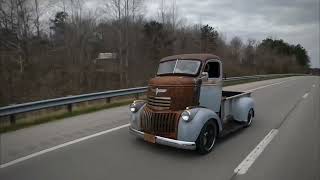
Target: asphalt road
[291,107]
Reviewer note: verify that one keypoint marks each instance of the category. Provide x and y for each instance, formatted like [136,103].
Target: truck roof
[202,57]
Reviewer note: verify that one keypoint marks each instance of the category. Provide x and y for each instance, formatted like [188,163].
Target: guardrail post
[108,100]
[12,119]
[69,108]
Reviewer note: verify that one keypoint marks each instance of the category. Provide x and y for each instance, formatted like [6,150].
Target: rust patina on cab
[168,96]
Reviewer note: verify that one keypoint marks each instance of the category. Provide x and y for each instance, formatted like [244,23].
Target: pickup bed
[230,119]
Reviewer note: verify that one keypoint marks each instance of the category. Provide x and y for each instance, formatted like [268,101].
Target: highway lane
[295,151]
[34,139]
[117,155]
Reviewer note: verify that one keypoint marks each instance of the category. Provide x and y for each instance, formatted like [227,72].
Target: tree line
[46,57]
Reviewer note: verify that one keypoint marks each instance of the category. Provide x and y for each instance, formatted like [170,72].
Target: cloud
[294,21]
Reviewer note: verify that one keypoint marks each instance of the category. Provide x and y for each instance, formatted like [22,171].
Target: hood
[173,92]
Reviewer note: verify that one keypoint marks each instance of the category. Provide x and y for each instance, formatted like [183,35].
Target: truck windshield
[179,66]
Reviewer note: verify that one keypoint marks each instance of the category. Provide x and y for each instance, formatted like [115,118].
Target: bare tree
[168,14]
[236,46]
[174,19]
[115,8]
[162,12]
[123,12]
[16,19]
[136,8]
[37,18]
[249,53]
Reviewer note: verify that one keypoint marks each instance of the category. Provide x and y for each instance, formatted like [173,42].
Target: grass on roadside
[54,117]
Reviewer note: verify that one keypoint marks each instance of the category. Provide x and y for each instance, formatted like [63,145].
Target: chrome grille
[159,103]
[158,123]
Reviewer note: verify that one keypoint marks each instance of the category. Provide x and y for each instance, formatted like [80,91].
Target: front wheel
[249,118]
[207,138]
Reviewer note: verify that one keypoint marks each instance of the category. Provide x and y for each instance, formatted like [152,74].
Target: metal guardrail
[12,110]
[255,77]
[66,101]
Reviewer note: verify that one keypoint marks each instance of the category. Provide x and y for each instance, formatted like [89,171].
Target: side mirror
[204,76]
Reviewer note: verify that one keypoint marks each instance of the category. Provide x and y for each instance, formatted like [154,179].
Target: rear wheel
[207,137]
[249,118]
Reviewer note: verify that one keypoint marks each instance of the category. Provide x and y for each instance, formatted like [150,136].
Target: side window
[213,69]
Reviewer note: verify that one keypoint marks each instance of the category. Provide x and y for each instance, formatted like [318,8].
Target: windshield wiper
[174,69]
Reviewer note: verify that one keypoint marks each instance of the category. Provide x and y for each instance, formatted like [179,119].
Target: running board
[231,126]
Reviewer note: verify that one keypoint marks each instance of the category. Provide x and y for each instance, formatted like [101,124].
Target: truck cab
[186,106]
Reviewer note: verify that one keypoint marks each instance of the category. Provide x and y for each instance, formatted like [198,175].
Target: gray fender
[135,118]
[241,108]
[189,131]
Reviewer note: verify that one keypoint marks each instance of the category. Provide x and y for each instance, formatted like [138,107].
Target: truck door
[211,89]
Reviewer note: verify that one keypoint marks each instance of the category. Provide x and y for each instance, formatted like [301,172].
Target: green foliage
[60,19]
[153,28]
[59,24]
[302,56]
[283,48]
[209,38]
[157,40]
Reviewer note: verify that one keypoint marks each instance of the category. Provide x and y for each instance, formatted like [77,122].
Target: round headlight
[136,105]
[133,109]
[185,115]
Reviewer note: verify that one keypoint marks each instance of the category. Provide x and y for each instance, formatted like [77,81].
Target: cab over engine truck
[186,107]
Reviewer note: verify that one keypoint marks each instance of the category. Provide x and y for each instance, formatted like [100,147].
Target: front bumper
[166,141]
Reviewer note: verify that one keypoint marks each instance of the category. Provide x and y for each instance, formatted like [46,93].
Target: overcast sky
[295,21]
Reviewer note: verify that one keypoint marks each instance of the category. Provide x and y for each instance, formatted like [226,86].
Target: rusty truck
[186,106]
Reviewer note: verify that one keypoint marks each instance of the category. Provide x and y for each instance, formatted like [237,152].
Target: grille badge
[157,90]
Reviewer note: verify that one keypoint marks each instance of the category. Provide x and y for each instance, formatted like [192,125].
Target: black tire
[207,137]
[249,118]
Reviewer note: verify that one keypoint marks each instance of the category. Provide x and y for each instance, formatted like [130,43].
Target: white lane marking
[60,146]
[305,95]
[93,135]
[261,87]
[254,154]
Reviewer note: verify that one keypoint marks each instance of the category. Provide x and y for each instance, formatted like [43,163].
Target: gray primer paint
[189,131]
[241,107]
